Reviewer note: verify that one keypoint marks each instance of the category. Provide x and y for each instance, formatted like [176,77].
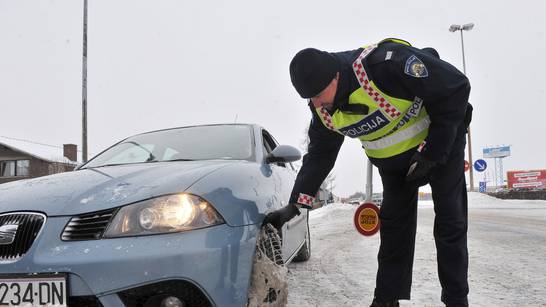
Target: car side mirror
[283,153]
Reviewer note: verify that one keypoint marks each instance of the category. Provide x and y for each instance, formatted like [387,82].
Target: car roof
[252,126]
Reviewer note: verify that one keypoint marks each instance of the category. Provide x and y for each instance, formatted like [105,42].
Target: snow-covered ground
[507,255]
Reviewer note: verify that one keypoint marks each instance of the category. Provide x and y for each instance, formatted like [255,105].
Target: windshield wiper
[181,159]
[151,157]
[104,165]
[116,164]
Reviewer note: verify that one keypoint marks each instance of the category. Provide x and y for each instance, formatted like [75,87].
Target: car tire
[305,251]
[268,284]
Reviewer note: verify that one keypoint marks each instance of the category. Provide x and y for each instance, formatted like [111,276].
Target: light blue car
[164,218]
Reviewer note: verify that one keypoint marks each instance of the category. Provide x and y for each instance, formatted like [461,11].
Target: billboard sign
[527,179]
[496,152]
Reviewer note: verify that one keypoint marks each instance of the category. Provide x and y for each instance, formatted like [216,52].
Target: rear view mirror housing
[283,153]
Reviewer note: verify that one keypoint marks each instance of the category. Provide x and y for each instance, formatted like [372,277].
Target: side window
[269,145]
[7,168]
[14,168]
[22,167]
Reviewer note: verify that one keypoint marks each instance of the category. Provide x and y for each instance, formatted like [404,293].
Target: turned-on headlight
[166,214]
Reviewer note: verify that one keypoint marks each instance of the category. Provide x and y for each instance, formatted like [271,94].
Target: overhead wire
[33,142]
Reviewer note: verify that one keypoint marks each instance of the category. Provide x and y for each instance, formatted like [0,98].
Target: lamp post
[466,27]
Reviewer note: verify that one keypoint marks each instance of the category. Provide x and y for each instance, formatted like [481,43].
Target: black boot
[391,303]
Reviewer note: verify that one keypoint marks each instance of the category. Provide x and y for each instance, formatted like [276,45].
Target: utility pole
[369,182]
[84,85]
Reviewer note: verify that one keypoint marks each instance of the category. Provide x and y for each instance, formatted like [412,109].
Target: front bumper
[217,260]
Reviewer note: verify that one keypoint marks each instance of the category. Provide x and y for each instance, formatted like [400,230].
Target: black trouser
[399,222]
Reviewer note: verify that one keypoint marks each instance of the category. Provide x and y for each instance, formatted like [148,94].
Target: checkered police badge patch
[415,68]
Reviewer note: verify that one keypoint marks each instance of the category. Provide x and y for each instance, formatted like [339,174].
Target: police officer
[410,111]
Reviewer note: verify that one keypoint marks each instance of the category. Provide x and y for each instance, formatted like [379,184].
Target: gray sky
[159,64]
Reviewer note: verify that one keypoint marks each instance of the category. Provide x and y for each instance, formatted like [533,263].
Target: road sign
[496,152]
[466,166]
[366,219]
[480,165]
[483,186]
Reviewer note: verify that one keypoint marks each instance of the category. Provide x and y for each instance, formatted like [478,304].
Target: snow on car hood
[89,190]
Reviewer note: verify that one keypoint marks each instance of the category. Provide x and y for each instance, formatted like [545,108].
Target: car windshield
[227,142]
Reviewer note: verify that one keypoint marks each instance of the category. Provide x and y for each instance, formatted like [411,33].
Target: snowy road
[507,248]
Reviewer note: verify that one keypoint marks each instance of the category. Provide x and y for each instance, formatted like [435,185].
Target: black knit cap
[311,70]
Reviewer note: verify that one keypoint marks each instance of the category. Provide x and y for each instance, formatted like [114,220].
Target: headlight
[164,214]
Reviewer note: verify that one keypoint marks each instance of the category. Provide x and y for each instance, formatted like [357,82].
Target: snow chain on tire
[268,285]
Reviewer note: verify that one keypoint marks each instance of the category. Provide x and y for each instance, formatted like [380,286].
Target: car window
[266,147]
[131,153]
[229,142]
[170,154]
[269,145]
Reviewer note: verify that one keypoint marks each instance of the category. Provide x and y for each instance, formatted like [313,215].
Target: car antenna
[235,121]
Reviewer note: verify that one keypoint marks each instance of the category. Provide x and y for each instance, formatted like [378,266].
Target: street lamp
[466,27]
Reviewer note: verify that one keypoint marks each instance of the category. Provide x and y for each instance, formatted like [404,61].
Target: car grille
[17,233]
[89,226]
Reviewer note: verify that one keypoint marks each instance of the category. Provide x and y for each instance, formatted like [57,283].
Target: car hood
[89,190]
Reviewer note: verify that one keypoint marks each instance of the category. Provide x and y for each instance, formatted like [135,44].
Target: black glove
[421,170]
[279,217]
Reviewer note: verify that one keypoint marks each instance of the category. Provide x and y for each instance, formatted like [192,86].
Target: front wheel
[305,251]
[268,285]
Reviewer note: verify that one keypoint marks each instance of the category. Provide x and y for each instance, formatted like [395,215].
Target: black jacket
[444,92]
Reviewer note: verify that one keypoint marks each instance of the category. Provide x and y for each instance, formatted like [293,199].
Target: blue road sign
[480,165]
[483,186]
[496,152]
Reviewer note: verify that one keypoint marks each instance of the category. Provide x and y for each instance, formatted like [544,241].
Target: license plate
[47,290]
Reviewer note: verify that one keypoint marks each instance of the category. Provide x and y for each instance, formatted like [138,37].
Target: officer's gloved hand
[280,217]
[421,170]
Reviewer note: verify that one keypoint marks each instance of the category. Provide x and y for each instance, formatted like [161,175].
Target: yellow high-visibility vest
[392,125]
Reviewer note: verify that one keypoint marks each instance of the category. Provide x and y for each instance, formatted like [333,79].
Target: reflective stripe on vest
[398,137]
[392,126]
[362,78]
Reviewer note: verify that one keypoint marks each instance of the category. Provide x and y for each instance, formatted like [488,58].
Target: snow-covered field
[507,255]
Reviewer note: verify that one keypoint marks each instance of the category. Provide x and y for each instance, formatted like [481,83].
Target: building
[22,160]
[324,195]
